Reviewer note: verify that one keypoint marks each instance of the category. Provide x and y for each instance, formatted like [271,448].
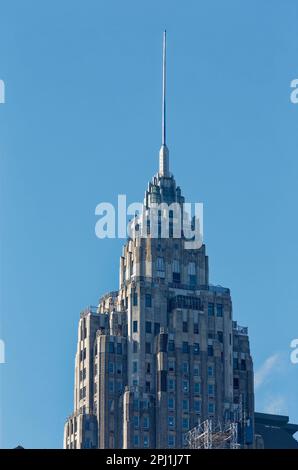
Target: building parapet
[241,330]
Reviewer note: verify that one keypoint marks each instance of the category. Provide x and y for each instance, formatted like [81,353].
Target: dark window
[147,387]
[236,382]
[235,363]
[196,328]
[156,328]
[176,278]
[135,346]
[148,300]
[111,347]
[135,326]
[196,348]
[135,298]
[210,350]
[119,348]
[148,348]
[219,310]
[148,368]
[148,327]
[210,309]
[220,336]
[171,345]
[192,280]
[243,364]
[185,327]
[185,347]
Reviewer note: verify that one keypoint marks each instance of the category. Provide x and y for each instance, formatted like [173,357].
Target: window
[196,369]
[111,368]
[135,326]
[176,271]
[235,363]
[211,408]
[119,387]
[83,354]
[171,365]
[111,386]
[160,267]
[83,374]
[145,404]
[146,422]
[147,387]
[211,309]
[196,348]
[136,440]
[135,346]
[197,406]
[243,364]
[192,278]
[148,368]
[119,348]
[171,403]
[148,348]
[185,405]
[236,382]
[148,327]
[210,389]
[197,388]
[135,299]
[185,327]
[196,328]
[185,367]
[171,440]
[210,350]
[171,345]
[135,367]
[185,386]
[210,371]
[171,421]
[148,300]
[185,347]
[220,336]
[171,385]
[136,421]
[136,404]
[185,423]
[156,328]
[219,310]
[146,441]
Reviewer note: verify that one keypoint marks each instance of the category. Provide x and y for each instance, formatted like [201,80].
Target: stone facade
[162,352]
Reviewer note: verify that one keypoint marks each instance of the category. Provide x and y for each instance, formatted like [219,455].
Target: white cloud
[270,364]
[276,405]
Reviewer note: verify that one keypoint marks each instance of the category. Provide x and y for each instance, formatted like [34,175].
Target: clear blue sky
[81,124]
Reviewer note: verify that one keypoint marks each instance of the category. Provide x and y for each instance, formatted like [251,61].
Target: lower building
[274,432]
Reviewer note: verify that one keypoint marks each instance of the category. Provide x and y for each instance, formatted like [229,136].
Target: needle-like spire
[164,152]
[163,139]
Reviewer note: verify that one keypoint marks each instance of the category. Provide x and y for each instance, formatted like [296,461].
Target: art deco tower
[163,352]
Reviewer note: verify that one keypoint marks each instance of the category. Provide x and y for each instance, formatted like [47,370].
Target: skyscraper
[162,353]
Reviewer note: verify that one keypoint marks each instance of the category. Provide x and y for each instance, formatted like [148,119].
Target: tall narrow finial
[163,139]
[164,152]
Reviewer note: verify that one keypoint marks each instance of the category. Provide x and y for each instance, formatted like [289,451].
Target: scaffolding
[207,435]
